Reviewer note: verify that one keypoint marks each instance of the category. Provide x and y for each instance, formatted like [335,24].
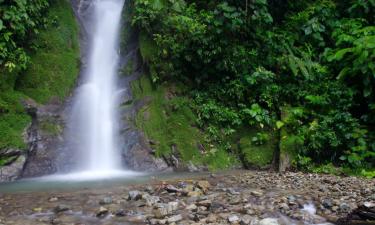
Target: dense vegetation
[38,59]
[296,77]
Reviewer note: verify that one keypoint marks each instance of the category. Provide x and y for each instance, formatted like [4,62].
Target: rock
[12,171]
[248,220]
[61,208]
[106,201]
[211,218]
[172,189]
[191,207]
[134,195]
[149,189]
[194,193]
[120,213]
[269,221]
[291,199]
[174,219]
[232,191]
[53,199]
[160,212]
[191,167]
[150,200]
[205,203]
[369,204]
[327,203]
[257,193]
[172,206]
[102,212]
[203,185]
[233,219]
[344,207]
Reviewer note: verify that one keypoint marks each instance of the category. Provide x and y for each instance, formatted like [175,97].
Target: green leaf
[279,124]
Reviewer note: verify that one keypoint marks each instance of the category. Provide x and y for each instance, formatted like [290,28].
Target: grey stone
[269,221]
[134,195]
[174,219]
[106,201]
[233,219]
[61,208]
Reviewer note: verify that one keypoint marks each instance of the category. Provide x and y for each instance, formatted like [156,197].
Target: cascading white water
[93,124]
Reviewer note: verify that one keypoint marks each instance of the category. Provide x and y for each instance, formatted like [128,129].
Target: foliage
[302,68]
[19,20]
[47,37]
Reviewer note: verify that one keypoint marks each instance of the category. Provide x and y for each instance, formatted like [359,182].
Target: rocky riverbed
[237,197]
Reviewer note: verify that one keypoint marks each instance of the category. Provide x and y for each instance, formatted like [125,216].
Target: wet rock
[344,207]
[233,219]
[120,213]
[194,193]
[327,203]
[174,219]
[134,195]
[232,191]
[12,171]
[205,203]
[61,208]
[269,221]
[160,212]
[203,185]
[191,207]
[102,212]
[257,193]
[172,189]
[172,206]
[248,220]
[150,200]
[53,199]
[106,201]
[211,218]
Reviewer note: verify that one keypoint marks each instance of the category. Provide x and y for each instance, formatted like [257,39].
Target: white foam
[91,175]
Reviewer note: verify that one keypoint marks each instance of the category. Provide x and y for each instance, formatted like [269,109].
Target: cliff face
[33,122]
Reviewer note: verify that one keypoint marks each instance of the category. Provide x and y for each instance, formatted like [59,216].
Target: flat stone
[233,219]
[257,193]
[102,212]
[174,219]
[172,206]
[269,221]
[61,208]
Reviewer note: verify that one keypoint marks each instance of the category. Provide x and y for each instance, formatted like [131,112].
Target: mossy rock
[290,144]
[167,120]
[255,154]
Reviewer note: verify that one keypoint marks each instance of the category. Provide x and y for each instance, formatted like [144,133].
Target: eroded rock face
[136,151]
[44,137]
[13,171]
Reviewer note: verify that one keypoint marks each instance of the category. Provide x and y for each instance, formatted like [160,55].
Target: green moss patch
[54,67]
[168,121]
[257,153]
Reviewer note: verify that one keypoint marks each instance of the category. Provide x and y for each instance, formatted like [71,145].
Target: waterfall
[94,118]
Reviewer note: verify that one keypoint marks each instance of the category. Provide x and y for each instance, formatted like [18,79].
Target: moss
[128,69]
[52,72]
[167,120]
[147,47]
[50,127]
[257,155]
[12,126]
[54,67]
[6,160]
